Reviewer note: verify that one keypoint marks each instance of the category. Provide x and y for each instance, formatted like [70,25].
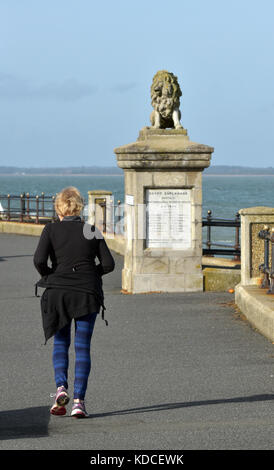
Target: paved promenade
[171,371]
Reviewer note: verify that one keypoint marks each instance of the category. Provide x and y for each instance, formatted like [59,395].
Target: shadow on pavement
[4,258]
[15,256]
[172,406]
[28,422]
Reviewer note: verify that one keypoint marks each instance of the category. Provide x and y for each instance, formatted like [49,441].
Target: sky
[75,77]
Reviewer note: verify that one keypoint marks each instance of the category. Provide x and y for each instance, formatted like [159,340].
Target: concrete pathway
[171,371]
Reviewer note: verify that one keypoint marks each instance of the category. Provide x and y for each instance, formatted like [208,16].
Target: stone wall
[253,220]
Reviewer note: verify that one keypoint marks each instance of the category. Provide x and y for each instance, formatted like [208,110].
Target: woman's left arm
[43,251]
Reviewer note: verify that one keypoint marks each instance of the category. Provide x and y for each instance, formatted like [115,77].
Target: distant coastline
[60,171]
[214,170]
[238,174]
[232,170]
[60,174]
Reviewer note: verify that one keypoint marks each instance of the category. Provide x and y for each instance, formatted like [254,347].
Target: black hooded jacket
[73,282]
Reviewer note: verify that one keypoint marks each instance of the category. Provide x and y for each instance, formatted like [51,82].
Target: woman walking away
[73,292]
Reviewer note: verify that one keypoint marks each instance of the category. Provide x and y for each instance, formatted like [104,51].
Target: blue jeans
[83,332]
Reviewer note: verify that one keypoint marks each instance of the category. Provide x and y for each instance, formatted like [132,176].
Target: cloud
[123,87]
[14,88]
[69,90]
[266,107]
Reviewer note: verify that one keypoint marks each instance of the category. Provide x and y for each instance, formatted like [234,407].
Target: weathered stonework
[97,214]
[162,159]
[252,248]
[165,99]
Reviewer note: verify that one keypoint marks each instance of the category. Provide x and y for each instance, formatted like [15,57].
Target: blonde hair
[69,202]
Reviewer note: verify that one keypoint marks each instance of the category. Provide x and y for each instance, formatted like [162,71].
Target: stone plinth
[163,164]
[253,220]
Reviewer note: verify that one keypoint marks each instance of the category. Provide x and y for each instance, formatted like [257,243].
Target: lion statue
[165,99]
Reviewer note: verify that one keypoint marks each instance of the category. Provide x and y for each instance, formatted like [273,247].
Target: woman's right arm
[43,252]
[107,263]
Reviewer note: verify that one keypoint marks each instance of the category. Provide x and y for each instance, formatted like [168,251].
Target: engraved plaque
[168,218]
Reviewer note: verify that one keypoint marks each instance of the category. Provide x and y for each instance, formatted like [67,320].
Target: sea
[223,195]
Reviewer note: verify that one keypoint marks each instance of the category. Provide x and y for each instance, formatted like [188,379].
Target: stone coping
[259,210]
[99,191]
[258,308]
[21,228]
[159,142]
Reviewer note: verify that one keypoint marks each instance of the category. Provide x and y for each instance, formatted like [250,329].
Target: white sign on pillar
[168,218]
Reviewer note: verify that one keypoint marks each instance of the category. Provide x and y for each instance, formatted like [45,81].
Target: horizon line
[117,168]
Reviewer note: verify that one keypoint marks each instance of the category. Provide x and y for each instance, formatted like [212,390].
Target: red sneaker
[58,410]
[79,410]
[61,400]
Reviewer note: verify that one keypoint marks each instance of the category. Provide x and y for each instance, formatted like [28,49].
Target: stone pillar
[100,210]
[163,211]
[253,220]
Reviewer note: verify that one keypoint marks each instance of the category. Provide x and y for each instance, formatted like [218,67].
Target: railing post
[37,210]
[43,203]
[271,272]
[208,242]
[103,206]
[119,216]
[264,267]
[53,208]
[21,207]
[237,236]
[24,204]
[8,207]
[27,196]
[111,217]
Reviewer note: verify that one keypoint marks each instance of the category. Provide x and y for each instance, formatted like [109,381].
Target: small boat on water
[2,210]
